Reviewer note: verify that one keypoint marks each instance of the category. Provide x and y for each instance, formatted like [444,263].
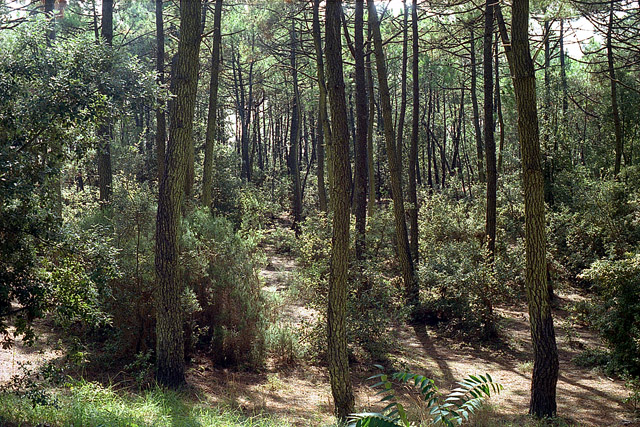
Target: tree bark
[341,387]
[372,111]
[489,138]
[403,87]
[546,159]
[296,188]
[105,176]
[212,122]
[545,368]
[614,97]
[499,106]
[169,335]
[402,240]
[324,132]
[476,113]
[361,170]
[413,151]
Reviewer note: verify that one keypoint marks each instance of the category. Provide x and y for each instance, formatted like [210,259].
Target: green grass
[90,404]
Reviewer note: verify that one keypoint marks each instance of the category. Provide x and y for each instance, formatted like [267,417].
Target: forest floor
[300,394]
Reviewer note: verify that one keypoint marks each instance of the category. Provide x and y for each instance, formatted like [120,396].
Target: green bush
[219,267]
[453,271]
[601,223]
[374,297]
[115,244]
[617,285]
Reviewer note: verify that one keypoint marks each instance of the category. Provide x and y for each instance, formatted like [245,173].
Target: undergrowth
[89,404]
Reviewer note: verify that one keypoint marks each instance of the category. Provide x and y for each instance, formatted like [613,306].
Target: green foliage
[52,97]
[83,403]
[374,299]
[32,385]
[459,285]
[450,410]
[116,250]
[283,342]
[633,400]
[617,285]
[220,268]
[596,218]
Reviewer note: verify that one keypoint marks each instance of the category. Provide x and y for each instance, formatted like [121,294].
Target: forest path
[279,274]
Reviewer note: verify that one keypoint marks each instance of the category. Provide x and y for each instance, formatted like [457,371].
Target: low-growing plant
[617,286]
[449,410]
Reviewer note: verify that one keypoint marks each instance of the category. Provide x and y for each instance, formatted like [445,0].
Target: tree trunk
[361,170]
[476,113]
[546,159]
[489,139]
[403,88]
[212,122]
[324,132]
[337,302]
[545,368]
[105,177]
[169,337]
[499,107]
[614,96]
[413,152]
[402,240]
[296,188]
[372,112]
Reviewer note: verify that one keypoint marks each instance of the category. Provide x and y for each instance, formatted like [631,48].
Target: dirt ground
[301,393]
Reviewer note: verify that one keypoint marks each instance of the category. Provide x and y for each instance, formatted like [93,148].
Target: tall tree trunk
[191,155]
[614,96]
[402,240]
[490,152]
[403,88]
[476,113]
[413,152]
[429,137]
[499,106]
[372,112]
[545,368]
[324,132]
[105,177]
[489,139]
[246,156]
[169,336]
[296,188]
[563,73]
[337,302]
[546,159]
[360,167]
[212,122]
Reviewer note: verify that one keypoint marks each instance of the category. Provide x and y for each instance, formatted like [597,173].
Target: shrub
[219,268]
[458,283]
[617,285]
[373,299]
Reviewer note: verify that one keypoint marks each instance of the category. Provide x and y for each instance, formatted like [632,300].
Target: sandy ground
[32,357]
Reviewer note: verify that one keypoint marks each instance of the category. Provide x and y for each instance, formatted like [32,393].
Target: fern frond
[371,419]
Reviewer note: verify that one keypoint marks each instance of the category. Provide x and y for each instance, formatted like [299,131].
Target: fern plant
[450,410]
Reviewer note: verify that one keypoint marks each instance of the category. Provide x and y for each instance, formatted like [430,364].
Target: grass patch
[90,404]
